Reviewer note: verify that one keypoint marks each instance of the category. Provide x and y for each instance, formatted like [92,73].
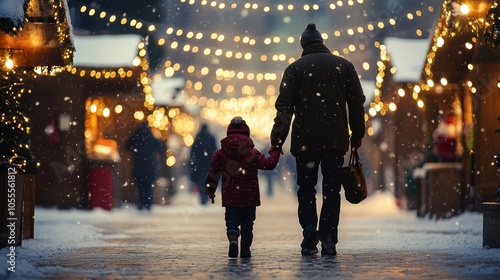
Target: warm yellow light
[106,112]
[370,131]
[169,72]
[420,104]
[9,64]
[464,9]
[372,112]
[93,108]
[444,81]
[188,140]
[170,161]
[118,109]
[440,42]
[392,107]
[401,92]
[136,61]
[139,115]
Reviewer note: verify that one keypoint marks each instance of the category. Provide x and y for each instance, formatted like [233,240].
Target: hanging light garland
[237,38]
[217,109]
[456,18]
[271,8]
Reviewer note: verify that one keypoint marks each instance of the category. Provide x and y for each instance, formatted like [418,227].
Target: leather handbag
[353,179]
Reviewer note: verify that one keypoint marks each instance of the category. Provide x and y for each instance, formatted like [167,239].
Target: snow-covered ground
[390,228]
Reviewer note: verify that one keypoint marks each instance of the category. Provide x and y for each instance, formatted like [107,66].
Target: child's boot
[245,248]
[233,245]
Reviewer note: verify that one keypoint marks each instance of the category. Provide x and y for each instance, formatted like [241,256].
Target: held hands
[276,149]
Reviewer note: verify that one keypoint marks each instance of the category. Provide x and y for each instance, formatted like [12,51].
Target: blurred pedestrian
[445,139]
[203,148]
[315,90]
[148,155]
[237,163]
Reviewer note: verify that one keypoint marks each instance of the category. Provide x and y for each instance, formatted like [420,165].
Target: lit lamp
[9,63]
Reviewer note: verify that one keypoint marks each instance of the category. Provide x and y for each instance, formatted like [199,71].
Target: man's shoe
[328,250]
[233,249]
[245,252]
[309,251]
[309,244]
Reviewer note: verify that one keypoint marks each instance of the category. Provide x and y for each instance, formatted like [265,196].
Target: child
[237,163]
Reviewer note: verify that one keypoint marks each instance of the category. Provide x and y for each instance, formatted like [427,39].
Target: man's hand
[355,143]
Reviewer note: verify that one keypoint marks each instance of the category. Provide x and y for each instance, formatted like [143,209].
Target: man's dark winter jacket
[237,163]
[315,90]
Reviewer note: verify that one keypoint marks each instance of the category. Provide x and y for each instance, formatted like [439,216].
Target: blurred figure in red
[445,139]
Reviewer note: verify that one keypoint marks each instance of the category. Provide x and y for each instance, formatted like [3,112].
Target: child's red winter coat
[237,162]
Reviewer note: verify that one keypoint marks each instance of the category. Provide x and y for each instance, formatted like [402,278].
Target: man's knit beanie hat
[310,36]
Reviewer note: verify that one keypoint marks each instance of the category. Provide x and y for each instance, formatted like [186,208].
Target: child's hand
[210,192]
[276,149]
[211,196]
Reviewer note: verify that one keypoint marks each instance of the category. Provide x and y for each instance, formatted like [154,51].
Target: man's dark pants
[308,165]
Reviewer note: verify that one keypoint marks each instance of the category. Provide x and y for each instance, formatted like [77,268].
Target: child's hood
[237,146]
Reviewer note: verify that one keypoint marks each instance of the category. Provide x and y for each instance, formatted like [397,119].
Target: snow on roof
[408,56]
[13,10]
[105,51]
[167,91]
[368,89]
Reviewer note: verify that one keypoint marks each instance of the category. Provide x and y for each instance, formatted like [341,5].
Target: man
[200,156]
[148,157]
[315,90]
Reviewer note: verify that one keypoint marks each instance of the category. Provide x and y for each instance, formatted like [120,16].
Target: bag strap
[354,156]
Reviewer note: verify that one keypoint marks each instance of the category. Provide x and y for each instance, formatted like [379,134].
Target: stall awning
[408,56]
[106,51]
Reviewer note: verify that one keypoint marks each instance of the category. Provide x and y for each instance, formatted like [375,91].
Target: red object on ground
[101,187]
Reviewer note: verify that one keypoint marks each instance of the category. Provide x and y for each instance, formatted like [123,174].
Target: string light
[269,8]
[370,27]
[221,81]
[451,23]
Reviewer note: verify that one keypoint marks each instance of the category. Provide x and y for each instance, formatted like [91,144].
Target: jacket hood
[237,146]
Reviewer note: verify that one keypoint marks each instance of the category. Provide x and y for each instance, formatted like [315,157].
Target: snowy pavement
[187,241]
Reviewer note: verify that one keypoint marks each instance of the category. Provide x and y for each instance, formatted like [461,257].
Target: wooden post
[491,224]
[29,207]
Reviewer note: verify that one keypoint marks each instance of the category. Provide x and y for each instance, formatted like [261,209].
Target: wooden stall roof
[45,38]
[458,41]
